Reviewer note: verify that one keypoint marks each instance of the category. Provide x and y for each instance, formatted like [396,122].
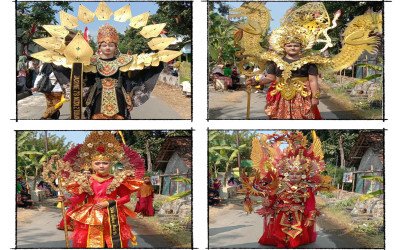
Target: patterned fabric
[299,107]
[109,103]
[51,100]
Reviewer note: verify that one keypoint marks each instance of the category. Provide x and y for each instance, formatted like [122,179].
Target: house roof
[365,141]
[182,145]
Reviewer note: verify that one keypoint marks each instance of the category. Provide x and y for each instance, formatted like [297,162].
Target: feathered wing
[361,35]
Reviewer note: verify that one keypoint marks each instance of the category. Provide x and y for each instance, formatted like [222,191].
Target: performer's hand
[100,205]
[250,81]
[314,101]
[61,198]
[308,223]
[33,89]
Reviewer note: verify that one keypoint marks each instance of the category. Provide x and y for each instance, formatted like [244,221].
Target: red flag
[33,29]
[86,34]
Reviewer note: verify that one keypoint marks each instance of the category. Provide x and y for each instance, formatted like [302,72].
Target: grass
[369,234]
[174,229]
[339,95]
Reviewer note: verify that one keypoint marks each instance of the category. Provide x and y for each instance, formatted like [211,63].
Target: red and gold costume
[290,94]
[106,227]
[145,197]
[288,209]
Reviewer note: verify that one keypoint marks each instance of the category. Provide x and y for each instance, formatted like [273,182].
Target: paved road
[32,108]
[39,231]
[233,228]
[232,105]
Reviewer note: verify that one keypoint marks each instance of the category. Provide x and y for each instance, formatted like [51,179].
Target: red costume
[104,227]
[92,227]
[145,197]
[287,179]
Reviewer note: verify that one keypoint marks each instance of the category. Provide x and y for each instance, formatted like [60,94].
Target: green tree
[220,39]
[178,16]
[226,149]
[34,148]
[133,42]
[147,143]
[32,15]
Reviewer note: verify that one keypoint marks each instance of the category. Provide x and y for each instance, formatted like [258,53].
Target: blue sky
[277,9]
[136,9]
[71,136]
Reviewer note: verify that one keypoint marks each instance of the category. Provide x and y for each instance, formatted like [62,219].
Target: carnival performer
[290,66]
[145,197]
[287,179]
[113,93]
[101,222]
[117,82]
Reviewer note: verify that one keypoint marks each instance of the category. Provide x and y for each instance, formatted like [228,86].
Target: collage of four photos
[315,186]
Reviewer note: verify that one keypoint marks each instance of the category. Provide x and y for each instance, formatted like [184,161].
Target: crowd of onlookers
[24,197]
[214,189]
[27,71]
[226,77]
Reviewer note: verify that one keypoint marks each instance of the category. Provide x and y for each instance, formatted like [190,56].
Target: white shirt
[53,81]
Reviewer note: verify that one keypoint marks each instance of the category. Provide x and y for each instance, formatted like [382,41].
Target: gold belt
[109,104]
[291,87]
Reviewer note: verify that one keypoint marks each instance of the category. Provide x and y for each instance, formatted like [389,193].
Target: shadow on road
[218,230]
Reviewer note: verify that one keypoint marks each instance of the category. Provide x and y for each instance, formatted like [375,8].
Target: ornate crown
[100,146]
[290,34]
[108,34]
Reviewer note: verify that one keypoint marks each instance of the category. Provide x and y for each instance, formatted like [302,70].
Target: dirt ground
[175,98]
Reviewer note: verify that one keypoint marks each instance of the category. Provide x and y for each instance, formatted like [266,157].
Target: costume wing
[249,33]
[85,15]
[361,35]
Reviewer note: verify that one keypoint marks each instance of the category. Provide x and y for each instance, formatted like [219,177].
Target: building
[174,160]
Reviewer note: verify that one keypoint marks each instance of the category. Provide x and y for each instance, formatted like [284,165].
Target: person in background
[145,196]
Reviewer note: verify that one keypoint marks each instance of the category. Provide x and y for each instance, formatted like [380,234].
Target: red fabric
[274,230]
[297,108]
[85,214]
[145,206]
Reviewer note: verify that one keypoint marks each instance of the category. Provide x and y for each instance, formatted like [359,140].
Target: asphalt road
[39,231]
[233,228]
[32,108]
[233,105]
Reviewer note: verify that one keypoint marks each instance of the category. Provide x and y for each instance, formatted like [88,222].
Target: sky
[136,9]
[277,9]
[71,136]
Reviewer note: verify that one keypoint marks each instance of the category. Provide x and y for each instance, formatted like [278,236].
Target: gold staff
[50,175]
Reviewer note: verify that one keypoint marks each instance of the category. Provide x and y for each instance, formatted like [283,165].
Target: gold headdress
[290,34]
[108,34]
[100,146]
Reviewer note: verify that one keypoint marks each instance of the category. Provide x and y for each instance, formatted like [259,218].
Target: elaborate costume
[118,82]
[290,93]
[145,197]
[287,180]
[96,227]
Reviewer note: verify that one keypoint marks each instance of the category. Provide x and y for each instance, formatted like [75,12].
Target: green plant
[186,181]
[372,194]
[350,202]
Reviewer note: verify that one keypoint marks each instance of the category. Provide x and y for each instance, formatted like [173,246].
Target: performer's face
[101,167]
[108,49]
[292,49]
[295,177]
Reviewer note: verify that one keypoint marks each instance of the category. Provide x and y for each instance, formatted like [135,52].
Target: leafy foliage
[133,42]
[220,39]
[184,180]
[178,16]
[31,15]
[223,149]
[32,152]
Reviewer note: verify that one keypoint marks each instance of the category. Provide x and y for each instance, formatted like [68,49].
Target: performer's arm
[124,195]
[313,79]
